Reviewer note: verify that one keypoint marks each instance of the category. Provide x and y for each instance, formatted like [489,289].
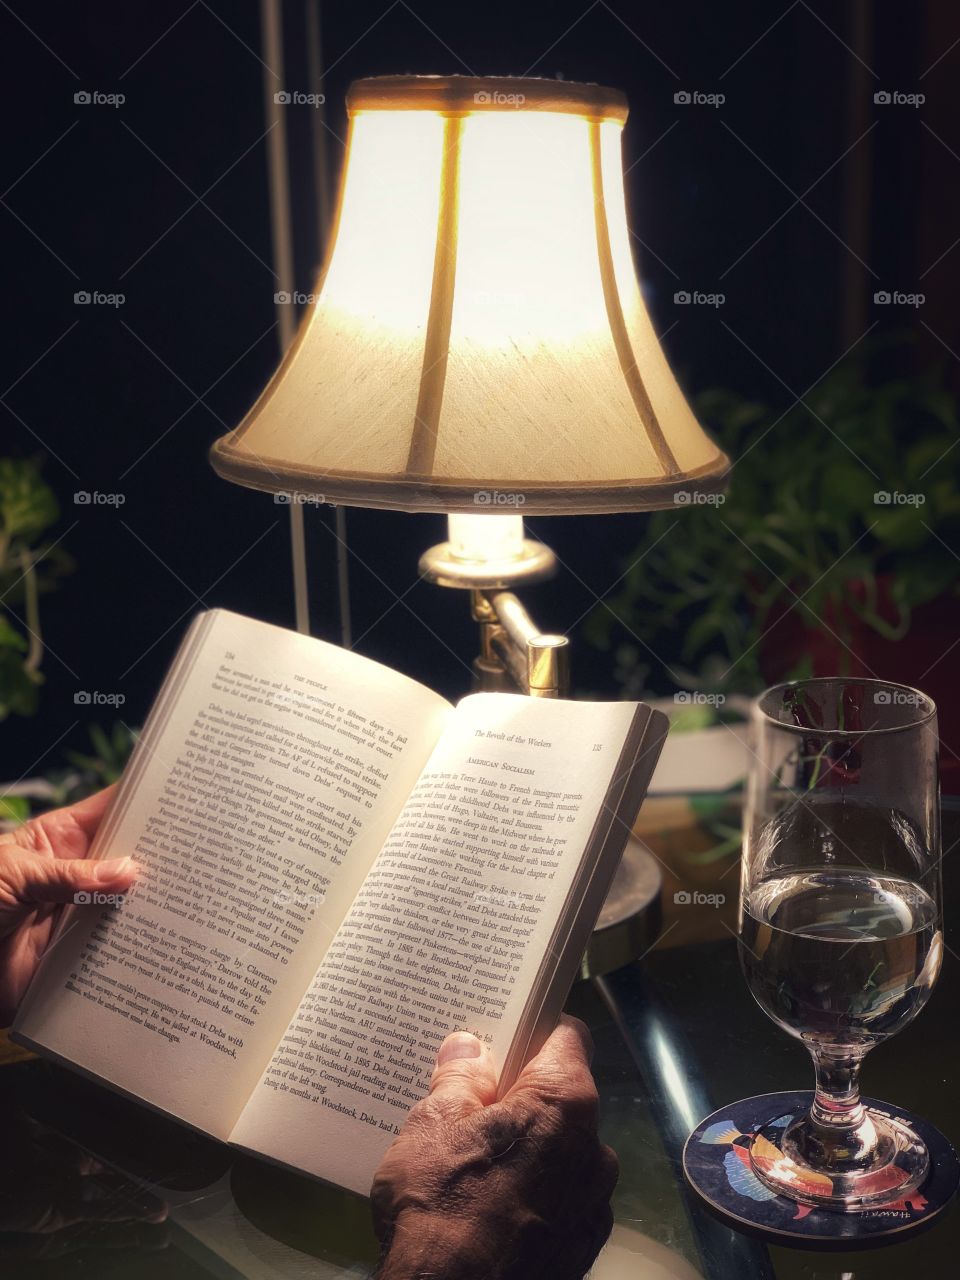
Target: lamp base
[631,918]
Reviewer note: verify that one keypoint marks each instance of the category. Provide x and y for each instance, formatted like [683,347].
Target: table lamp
[478,344]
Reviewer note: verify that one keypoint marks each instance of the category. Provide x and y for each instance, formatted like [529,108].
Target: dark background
[798,198]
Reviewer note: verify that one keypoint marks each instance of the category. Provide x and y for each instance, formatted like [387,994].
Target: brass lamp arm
[537,663]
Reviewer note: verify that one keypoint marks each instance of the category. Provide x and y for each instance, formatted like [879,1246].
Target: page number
[598,746]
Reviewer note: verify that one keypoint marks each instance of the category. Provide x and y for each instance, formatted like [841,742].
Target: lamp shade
[477,338]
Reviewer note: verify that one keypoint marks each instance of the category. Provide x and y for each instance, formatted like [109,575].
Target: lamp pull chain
[271,22]
[343,576]
[298,554]
[320,138]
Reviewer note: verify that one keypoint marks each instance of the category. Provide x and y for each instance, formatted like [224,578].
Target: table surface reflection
[677,1035]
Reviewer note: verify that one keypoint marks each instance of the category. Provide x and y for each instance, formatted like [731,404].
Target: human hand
[473,1187]
[42,865]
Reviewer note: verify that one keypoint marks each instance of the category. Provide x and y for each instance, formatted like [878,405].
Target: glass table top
[677,1035]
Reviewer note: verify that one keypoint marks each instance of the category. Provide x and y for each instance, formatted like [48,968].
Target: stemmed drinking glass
[840,919]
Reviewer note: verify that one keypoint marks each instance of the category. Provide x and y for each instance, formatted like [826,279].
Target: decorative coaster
[716,1164]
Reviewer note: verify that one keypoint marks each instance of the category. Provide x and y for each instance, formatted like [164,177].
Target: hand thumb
[63,879]
[464,1078]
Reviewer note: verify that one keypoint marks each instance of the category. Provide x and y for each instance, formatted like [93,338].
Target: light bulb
[485,537]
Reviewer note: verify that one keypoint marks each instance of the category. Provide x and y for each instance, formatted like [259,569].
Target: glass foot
[718,1168]
[806,1163]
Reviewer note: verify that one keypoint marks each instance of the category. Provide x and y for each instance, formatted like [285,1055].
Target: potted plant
[832,553]
[30,566]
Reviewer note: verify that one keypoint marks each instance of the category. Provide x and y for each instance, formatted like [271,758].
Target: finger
[568,1049]
[608,1173]
[88,813]
[63,833]
[36,879]
[560,1073]
[465,1077]
[568,1028]
[597,1236]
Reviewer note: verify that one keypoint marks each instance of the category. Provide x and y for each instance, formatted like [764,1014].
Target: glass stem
[836,1103]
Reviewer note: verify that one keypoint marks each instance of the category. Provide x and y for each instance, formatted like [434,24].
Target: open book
[337,868]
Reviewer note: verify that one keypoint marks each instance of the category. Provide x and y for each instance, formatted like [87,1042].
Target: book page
[448,931]
[264,785]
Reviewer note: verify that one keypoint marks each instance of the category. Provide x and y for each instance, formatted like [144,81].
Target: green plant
[13,811]
[106,762]
[29,566]
[802,519]
[86,773]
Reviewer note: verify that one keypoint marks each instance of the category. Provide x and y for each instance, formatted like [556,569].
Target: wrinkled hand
[473,1187]
[42,865]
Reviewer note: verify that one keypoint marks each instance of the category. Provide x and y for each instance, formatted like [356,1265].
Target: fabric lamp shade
[478,336]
